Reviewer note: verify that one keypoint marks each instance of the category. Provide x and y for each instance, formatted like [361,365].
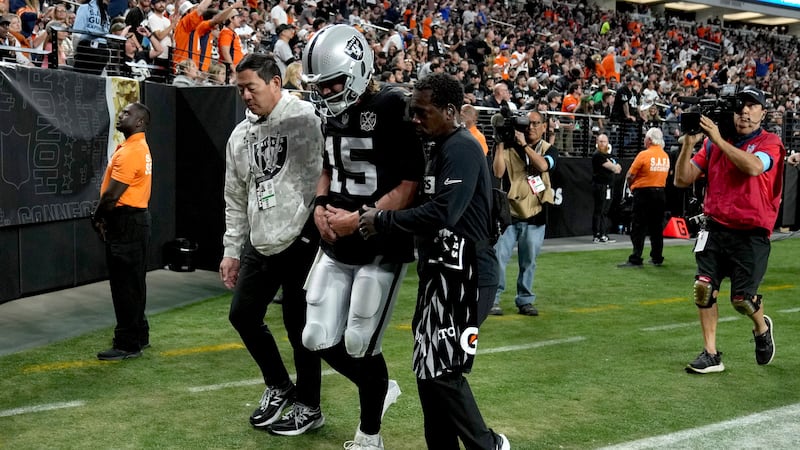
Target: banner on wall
[54,144]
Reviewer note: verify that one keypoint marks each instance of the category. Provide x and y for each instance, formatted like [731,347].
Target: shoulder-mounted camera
[506,122]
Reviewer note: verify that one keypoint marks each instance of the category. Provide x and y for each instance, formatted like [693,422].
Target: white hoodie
[285,146]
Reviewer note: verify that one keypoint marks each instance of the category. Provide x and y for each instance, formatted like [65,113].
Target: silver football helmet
[337,51]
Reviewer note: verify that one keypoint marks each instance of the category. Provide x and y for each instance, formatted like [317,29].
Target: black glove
[366,221]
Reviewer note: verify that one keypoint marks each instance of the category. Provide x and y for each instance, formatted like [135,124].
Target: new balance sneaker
[271,405]
[391,396]
[299,419]
[706,363]
[765,346]
[117,354]
[364,441]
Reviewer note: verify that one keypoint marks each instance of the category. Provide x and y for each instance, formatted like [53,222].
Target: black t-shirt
[623,96]
[601,175]
[457,196]
[369,150]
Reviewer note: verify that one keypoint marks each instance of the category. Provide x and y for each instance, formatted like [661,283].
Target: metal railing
[577,140]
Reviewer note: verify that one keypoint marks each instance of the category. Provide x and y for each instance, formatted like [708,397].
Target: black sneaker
[299,419]
[271,405]
[628,264]
[116,354]
[653,262]
[496,310]
[528,310]
[706,363]
[765,346]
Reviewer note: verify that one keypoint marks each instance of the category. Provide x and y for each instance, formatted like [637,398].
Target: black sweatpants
[260,277]
[602,204]
[648,220]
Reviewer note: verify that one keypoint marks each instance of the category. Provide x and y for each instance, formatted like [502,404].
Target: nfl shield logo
[15,171]
[367,120]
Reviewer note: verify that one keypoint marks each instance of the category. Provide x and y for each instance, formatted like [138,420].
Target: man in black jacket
[451,228]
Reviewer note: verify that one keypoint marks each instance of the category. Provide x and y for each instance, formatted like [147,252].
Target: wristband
[379,220]
[320,200]
[362,210]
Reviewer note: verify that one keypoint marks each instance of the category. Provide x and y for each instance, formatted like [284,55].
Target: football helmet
[337,51]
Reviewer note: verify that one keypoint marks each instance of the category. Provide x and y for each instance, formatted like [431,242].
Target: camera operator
[527,159]
[745,177]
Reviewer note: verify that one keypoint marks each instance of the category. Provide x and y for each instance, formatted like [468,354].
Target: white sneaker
[504,444]
[391,396]
[364,441]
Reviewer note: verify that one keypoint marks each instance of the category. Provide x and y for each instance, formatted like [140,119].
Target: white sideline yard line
[41,408]
[779,429]
[251,382]
[673,326]
[514,348]
[510,348]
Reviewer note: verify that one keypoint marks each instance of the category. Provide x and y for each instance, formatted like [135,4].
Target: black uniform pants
[648,220]
[260,277]
[127,239]
[601,193]
[450,412]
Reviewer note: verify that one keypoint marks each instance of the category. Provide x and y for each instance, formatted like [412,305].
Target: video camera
[719,109]
[506,122]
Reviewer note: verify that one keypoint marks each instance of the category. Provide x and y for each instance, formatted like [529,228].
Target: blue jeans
[529,239]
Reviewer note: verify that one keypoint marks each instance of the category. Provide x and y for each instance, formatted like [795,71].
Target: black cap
[4,21]
[282,27]
[751,93]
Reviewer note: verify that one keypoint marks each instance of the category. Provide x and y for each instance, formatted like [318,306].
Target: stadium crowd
[629,67]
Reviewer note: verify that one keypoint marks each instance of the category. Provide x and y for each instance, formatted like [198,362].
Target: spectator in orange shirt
[502,60]
[427,31]
[193,34]
[609,64]
[469,115]
[230,47]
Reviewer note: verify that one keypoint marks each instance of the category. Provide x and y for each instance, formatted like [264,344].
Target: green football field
[602,365]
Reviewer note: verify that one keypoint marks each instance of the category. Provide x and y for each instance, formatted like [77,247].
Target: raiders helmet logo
[354,49]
